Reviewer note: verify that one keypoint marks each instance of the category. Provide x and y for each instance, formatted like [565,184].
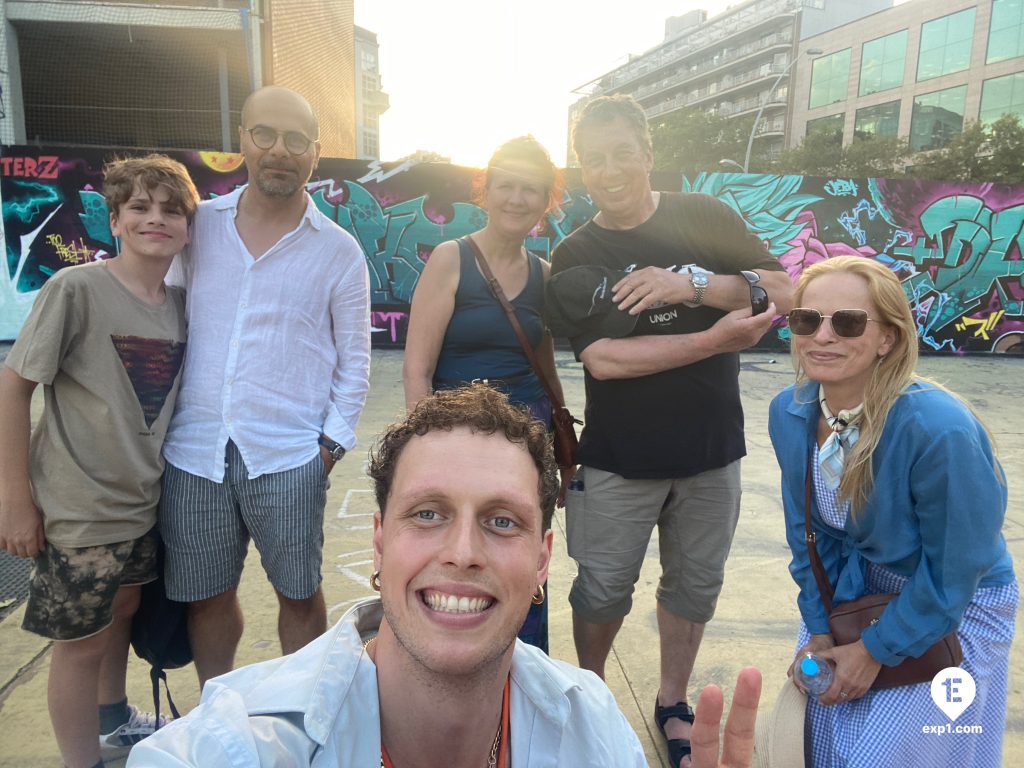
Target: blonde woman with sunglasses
[907,497]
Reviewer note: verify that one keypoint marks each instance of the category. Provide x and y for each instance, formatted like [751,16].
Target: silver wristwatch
[699,281]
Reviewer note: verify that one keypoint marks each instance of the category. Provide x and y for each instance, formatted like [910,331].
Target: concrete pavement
[756,620]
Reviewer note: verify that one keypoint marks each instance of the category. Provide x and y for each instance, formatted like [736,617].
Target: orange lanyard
[506,730]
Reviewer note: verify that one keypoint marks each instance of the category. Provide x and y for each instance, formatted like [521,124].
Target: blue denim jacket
[935,516]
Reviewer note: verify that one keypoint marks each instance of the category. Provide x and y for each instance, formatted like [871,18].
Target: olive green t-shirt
[110,365]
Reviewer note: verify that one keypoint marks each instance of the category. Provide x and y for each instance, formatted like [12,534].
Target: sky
[463,76]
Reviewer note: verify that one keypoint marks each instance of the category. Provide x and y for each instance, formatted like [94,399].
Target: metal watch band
[699,281]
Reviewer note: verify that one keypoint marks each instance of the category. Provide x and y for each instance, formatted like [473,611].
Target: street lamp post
[760,109]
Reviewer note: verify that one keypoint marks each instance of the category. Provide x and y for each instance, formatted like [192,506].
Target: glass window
[882,120]
[1006,34]
[946,45]
[1002,95]
[830,78]
[882,62]
[937,118]
[832,125]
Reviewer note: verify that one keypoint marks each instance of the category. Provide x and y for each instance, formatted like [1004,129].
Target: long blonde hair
[892,373]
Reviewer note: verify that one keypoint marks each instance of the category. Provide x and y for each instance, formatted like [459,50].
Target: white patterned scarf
[832,455]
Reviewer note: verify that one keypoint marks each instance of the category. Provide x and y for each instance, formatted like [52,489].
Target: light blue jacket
[318,707]
[934,516]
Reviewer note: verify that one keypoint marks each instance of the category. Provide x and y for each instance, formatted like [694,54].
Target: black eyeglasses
[265,137]
[848,323]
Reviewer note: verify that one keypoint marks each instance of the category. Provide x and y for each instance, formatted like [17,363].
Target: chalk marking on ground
[348,569]
[343,513]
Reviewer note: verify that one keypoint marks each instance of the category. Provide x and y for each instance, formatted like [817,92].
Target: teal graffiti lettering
[95,217]
[963,258]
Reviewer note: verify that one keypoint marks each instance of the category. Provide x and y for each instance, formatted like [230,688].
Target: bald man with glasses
[275,378]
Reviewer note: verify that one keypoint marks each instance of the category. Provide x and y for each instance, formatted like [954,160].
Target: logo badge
[953,691]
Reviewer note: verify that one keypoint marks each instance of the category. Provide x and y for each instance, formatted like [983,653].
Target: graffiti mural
[955,247]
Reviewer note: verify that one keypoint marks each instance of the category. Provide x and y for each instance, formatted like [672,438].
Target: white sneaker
[120,742]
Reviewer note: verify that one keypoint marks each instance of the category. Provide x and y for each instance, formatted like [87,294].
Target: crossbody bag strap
[824,587]
[510,312]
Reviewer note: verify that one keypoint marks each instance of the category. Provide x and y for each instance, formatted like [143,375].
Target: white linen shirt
[278,346]
[319,708]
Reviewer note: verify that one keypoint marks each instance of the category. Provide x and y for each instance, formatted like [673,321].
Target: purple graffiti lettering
[391,319]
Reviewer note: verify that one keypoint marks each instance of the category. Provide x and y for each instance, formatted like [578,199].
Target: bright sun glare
[463,76]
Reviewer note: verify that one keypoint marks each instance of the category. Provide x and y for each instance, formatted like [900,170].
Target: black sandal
[677,748]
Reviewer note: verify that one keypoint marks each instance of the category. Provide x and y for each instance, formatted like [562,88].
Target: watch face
[699,279]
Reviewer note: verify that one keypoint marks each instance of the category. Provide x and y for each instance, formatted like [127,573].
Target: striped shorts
[206,527]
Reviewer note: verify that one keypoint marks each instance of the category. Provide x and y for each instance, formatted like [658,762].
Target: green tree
[960,160]
[690,141]
[1006,142]
[992,153]
[879,157]
[822,154]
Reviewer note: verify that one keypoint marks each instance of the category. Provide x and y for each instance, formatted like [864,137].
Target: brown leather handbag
[565,441]
[847,621]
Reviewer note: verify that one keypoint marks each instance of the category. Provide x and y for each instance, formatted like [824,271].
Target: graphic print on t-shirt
[152,365]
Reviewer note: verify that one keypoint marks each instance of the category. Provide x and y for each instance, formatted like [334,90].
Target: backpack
[160,634]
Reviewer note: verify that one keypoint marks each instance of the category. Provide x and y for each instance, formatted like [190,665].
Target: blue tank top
[479,342]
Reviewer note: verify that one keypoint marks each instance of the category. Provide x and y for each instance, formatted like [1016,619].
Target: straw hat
[779,736]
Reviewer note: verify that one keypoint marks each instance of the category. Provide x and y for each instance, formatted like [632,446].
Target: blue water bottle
[814,674]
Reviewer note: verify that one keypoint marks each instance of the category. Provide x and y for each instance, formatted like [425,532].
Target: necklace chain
[492,759]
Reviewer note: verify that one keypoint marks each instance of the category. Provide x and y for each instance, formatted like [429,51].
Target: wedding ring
[843,694]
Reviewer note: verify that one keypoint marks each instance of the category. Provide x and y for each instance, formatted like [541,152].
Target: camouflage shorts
[71,589]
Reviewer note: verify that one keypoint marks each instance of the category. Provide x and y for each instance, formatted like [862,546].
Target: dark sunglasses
[758,295]
[758,300]
[265,137]
[848,323]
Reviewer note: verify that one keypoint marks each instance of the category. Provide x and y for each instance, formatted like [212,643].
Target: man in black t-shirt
[664,423]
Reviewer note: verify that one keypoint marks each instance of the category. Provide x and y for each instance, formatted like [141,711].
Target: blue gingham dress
[885,728]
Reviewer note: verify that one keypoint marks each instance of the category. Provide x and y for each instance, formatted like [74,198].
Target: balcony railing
[712,32]
[716,63]
[777,125]
[721,88]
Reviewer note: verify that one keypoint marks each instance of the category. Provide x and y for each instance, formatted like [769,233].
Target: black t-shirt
[687,420]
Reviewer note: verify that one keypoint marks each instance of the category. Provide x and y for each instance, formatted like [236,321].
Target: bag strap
[824,587]
[556,402]
[156,674]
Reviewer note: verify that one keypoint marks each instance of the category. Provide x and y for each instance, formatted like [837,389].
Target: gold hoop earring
[538,596]
[375,581]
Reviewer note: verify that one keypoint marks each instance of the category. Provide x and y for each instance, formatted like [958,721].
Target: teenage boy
[106,341]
